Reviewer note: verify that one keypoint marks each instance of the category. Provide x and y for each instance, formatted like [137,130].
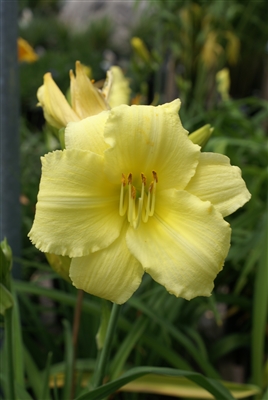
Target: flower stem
[102,363]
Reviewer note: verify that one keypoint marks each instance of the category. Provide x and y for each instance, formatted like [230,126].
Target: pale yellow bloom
[25,51]
[132,194]
[86,99]
[223,83]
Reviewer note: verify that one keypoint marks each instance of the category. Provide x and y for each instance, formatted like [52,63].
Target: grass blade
[260,307]
[68,360]
[46,373]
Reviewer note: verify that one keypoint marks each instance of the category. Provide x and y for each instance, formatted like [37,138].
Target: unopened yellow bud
[201,135]
[223,83]
[141,49]
[5,259]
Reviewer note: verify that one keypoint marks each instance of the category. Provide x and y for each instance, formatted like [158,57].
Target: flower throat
[146,199]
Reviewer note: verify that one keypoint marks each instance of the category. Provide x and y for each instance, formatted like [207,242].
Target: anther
[143,179]
[155,176]
[129,178]
[123,180]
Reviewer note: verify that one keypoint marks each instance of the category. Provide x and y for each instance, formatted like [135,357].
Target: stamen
[129,178]
[137,219]
[151,198]
[133,193]
[130,200]
[147,209]
[153,194]
[143,179]
[122,204]
[143,212]
[155,176]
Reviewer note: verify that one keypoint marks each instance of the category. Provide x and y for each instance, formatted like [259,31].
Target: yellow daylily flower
[223,83]
[25,51]
[86,99]
[131,194]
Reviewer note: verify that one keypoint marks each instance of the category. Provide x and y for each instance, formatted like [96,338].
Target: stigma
[144,207]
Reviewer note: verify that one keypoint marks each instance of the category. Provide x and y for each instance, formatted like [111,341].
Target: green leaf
[125,348]
[21,393]
[182,387]
[212,386]
[6,299]
[260,308]
[45,391]
[57,295]
[68,359]
[178,335]
[34,376]
[265,396]
[17,341]
[166,353]
[228,344]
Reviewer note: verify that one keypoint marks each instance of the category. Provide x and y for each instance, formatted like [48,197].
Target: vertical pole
[9,129]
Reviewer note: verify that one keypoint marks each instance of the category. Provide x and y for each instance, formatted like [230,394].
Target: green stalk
[9,352]
[104,356]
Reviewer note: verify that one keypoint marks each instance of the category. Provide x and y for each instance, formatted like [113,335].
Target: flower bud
[201,135]
[140,49]
[5,260]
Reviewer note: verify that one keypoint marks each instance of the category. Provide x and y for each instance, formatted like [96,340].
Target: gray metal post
[9,129]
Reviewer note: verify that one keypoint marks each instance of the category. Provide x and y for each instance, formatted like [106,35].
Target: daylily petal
[183,246]
[57,110]
[116,87]
[112,273]
[87,134]
[77,209]
[86,99]
[219,182]
[150,138]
